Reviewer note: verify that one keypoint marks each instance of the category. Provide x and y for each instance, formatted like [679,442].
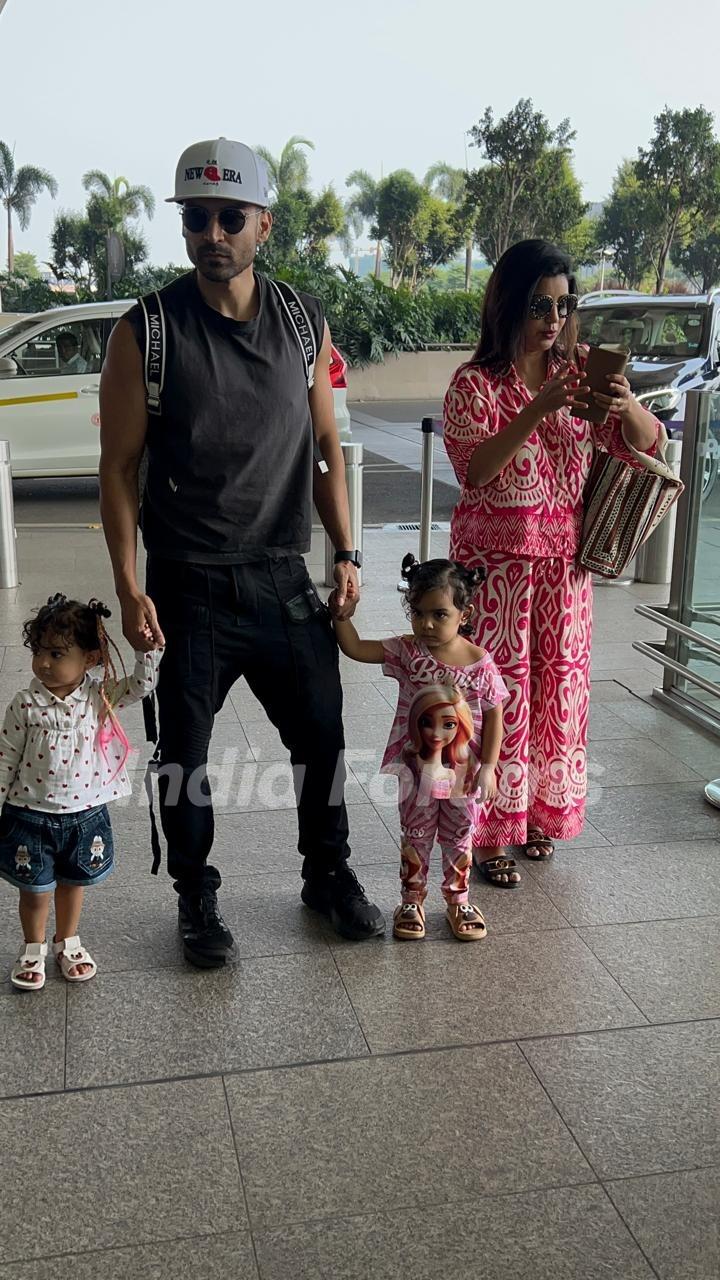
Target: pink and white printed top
[426,683]
[534,506]
[51,755]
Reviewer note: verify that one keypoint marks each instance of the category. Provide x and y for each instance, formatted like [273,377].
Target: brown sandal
[542,844]
[497,872]
[406,919]
[464,913]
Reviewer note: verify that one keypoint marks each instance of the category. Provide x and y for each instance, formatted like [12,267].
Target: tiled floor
[541,1106]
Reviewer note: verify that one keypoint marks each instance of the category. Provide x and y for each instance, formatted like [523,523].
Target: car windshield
[649,332]
[9,336]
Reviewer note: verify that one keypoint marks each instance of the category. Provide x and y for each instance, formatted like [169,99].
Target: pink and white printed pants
[535,617]
[453,821]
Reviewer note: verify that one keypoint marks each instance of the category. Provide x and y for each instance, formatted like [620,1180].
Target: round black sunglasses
[542,304]
[232,220]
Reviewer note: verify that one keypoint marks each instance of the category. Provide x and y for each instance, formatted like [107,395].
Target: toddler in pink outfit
[445,739]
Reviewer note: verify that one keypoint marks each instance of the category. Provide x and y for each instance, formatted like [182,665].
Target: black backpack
[156,343]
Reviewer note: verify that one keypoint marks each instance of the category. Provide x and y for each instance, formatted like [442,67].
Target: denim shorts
[39,851]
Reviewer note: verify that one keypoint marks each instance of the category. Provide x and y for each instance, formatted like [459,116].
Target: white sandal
[69,953]
[30,960]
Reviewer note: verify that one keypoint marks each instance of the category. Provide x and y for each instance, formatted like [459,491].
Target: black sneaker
[207,941]
[340,896]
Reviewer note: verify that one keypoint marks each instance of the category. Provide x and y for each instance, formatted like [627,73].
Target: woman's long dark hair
[506,307]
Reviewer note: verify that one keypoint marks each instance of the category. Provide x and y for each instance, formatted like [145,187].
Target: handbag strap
[657,465]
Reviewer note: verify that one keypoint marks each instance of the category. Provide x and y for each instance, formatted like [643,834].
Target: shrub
[368,319]
[18,293]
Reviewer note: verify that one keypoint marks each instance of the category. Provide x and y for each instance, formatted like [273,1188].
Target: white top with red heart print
[51,757]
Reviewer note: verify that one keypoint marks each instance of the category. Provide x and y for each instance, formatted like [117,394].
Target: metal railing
[353,455]
[684,643]
[8,554]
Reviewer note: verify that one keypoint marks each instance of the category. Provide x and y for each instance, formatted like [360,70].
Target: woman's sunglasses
[542,304]
[195,219]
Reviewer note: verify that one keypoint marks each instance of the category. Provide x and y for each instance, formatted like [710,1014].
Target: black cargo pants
[263,621]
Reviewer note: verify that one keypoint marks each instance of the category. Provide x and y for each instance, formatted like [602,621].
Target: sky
[125,85]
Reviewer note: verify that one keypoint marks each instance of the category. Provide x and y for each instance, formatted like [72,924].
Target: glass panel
[63,349]
[701,595]
[652,331]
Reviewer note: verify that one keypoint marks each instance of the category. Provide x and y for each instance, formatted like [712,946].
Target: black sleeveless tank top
[230,457]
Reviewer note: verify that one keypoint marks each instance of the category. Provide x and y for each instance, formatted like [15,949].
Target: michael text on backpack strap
[301,326]
[155,344]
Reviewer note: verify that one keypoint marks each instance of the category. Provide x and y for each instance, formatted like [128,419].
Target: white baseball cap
[222,168]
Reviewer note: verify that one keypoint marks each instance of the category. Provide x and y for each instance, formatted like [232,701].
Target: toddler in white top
[62,758]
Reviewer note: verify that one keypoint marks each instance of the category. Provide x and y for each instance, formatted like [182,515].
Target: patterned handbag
[623,506]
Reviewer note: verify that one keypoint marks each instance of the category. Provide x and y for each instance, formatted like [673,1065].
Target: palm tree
[449,184]
[289,171]
[362,207]
[19,189]
[121,201]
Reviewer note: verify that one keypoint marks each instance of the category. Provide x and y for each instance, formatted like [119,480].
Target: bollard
[653,562]
[8,557]
[426,488]
[353,455]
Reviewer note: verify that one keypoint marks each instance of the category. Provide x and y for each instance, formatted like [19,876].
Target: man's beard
[225,265]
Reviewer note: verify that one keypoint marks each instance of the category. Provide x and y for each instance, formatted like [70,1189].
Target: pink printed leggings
[453,821]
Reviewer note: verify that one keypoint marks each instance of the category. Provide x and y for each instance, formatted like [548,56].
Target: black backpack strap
[301,325]
[150,772]
[151,735]
[155,344]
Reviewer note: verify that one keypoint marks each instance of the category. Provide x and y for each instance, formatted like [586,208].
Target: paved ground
[540,1105]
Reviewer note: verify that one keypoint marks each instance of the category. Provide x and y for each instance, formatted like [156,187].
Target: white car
[49,380]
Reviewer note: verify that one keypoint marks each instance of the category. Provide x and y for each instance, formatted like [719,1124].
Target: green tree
[119,201]
[552,206]
[582,243]
[400,198]
[26,266]
[438,236]
[527,187]
[419,230]
[327,220]
[679,172]
[699,258]
[19,189]
[78,248]
[302,227]
[78,240]
[362,207]
[288,172]
[629,225]
[291,212]
[450,184]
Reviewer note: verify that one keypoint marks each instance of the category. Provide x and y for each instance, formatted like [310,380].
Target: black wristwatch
[353,557]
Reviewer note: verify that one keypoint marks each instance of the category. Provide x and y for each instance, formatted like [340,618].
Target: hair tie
[98,608]
[56,601]
[409,566]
